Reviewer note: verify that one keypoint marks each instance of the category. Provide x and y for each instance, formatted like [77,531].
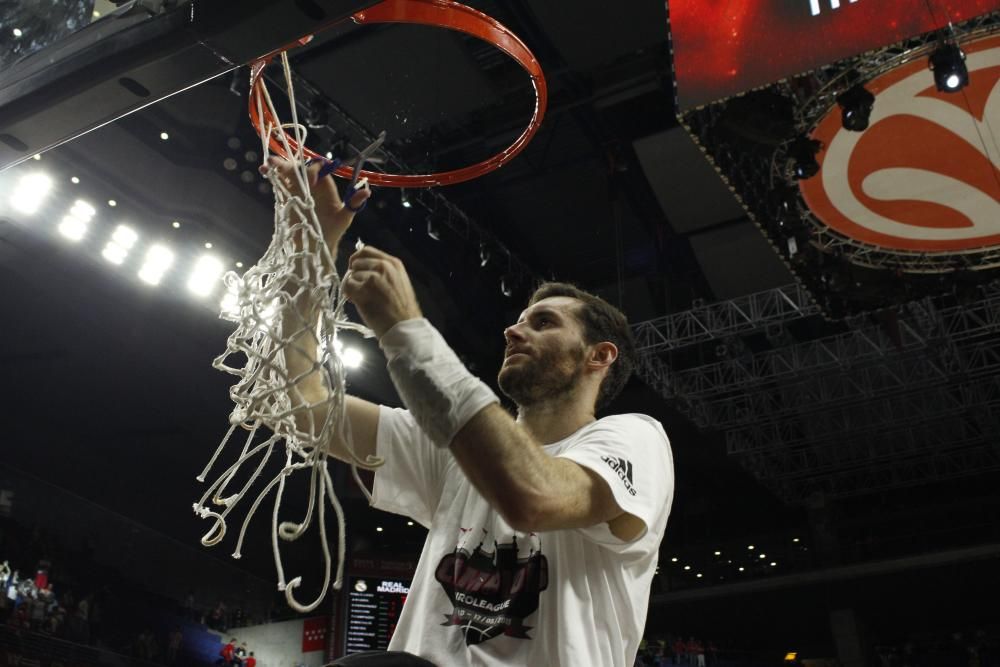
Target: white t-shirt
[484,594]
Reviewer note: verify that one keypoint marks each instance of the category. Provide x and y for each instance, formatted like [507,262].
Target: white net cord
[289,300]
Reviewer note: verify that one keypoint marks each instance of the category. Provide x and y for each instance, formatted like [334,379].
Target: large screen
[725,47]
[373,607]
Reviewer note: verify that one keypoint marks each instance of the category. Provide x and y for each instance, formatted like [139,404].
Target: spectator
[228,653]
[680,651]
[174,645]
[251,661]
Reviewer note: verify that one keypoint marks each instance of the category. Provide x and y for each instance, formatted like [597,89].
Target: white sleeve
[632,454]
[411,479]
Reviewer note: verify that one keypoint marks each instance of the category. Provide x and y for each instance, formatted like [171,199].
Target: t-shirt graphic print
[492,592]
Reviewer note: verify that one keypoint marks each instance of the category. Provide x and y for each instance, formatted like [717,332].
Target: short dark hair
[601,322]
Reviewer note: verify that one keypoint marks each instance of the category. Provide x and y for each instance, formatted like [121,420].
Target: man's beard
[548,377]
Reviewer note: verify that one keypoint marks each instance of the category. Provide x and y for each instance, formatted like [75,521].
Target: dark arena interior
[796,203]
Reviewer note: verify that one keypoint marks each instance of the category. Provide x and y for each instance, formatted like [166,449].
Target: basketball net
[275,305]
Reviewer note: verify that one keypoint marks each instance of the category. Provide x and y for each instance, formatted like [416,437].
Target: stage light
[30,192]
[121,242]
[751,547]
[773,564]
[352,357]
[158,260]
[112,203]
[803,152]
[673,560]
[795,539]
[164,136]
[409,523]
[432,230]
[505,286]
[741,569]
[74,180]
[687,567]
[175,224]
[404,199]
[948,64]
[17,32]
[699,575]
[74,225]
[73,228]
[379,529]
[205,275]
[856,106]
[718,553]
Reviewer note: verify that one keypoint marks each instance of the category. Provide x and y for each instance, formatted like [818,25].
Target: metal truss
[976,459]
[852,450]
[922,326]
[832,427]
[724,318]
[808,395]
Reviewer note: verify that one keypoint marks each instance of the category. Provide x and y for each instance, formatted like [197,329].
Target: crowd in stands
[977,647]
[237,656]
[51,591]
[31,603]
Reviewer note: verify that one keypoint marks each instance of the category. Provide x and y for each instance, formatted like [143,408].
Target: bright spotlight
[73,228]
[18,32]
[125,237]
[950,72]
[205,276]
[352,357]
[158,260]
[30,192]
[164,136]
[121,242]
[114,253]
[82,210]
[74,224]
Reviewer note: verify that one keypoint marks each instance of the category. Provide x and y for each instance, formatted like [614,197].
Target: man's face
[545,353]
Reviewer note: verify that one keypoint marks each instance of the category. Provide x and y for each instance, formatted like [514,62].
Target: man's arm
[532,490]
[301,353]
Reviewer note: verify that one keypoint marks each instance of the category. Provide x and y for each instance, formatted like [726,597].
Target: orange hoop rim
[437,13]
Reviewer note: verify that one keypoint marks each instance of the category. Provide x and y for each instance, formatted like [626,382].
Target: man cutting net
[544,528]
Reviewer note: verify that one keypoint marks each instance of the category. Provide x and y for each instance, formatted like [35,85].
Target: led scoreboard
[373,606]
[725,47]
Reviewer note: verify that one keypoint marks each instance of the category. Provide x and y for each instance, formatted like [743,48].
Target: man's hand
[333,216]
[377,283]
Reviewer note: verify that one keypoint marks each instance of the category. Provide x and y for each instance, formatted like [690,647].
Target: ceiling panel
[738,260]
[689,190]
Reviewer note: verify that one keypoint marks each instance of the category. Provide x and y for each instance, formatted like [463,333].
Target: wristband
[436,387]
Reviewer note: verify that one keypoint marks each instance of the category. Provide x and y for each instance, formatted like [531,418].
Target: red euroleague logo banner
[923,176]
